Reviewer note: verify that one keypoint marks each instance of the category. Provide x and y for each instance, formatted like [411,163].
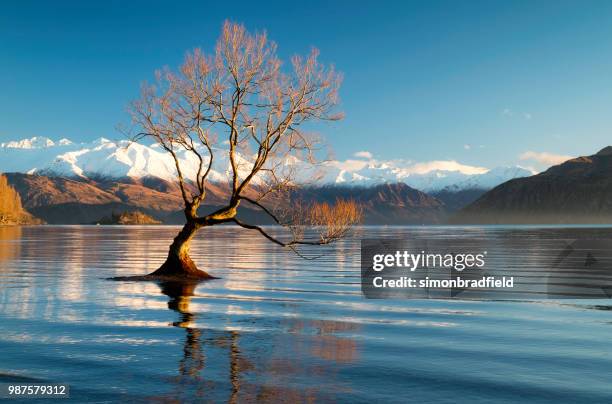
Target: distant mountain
[99,178]
[576,191]
[463,193]
[60,200]
[488,180]
[391,204]
[34,143]
[456,199]
[103,160]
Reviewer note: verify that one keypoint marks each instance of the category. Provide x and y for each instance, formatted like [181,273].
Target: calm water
[277,327]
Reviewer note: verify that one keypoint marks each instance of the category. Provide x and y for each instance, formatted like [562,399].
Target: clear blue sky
[422,79]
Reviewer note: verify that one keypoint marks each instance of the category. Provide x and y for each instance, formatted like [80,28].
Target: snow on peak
[105,158]
[36,142]
[425,176]
[491,178]
[443,166]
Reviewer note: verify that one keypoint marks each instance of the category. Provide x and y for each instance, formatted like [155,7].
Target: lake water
[276,327]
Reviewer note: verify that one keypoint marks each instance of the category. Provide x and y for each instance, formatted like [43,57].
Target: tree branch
[275,240]
[254,202]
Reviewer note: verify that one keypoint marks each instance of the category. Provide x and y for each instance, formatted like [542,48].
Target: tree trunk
[179,265]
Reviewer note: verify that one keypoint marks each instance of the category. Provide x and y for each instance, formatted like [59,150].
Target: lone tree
[241,94]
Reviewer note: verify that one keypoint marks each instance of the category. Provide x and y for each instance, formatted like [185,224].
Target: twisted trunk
[179,264]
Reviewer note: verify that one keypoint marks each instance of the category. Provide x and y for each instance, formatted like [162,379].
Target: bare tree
[241,93]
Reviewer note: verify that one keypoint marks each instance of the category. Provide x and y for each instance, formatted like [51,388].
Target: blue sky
[477,82]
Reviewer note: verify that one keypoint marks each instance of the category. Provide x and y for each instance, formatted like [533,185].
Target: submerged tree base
[164,278]
[173,270]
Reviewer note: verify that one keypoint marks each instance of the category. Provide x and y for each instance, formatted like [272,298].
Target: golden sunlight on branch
[318,223]
[333,221]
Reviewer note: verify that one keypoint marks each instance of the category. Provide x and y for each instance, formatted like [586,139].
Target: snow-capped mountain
[35,143]
[490,179]
[101,158]
[104,158]
[428,177]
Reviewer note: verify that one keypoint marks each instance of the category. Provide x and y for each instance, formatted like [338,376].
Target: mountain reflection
[244,337]
[275,328]
[327,345]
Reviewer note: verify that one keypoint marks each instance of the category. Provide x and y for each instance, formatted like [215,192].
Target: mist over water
[276,326]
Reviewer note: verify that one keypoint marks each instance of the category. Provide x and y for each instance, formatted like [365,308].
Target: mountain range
[61,200]
[67,182]
[576,191]
[106,159]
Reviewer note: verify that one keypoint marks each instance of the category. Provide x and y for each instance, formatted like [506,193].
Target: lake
[277,327]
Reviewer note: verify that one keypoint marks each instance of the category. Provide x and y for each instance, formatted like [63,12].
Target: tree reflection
[309,349]
[192,363]
[180,296]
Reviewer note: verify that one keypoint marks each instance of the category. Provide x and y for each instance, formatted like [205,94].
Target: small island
[128,218]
